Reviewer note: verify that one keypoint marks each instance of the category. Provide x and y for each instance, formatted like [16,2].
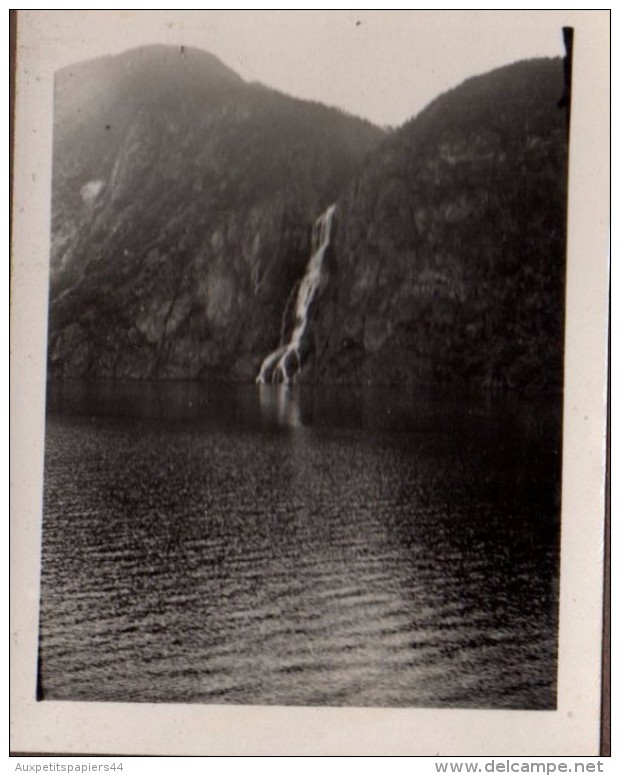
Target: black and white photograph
[304,362]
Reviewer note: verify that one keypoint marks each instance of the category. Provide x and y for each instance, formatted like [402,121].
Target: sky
[382,65]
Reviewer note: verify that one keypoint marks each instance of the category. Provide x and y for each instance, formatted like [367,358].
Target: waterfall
[284,363]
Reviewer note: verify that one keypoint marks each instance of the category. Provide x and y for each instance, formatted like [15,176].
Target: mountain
[448,263]
[183,242]
[182,203]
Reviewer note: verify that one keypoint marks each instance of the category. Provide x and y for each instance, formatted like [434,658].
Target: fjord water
[275,545]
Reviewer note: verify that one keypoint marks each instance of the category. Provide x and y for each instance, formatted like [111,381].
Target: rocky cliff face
[449,260]
[182,205]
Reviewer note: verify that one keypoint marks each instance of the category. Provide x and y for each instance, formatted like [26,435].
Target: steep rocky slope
[448,264]
[182,205]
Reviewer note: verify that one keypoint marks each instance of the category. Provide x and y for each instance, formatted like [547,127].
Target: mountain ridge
[430,238]
[175,219]
[461,219]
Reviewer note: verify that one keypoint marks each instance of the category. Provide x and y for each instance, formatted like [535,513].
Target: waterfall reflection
[281,404]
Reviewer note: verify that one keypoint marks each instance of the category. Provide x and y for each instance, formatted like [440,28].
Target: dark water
[262,545]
